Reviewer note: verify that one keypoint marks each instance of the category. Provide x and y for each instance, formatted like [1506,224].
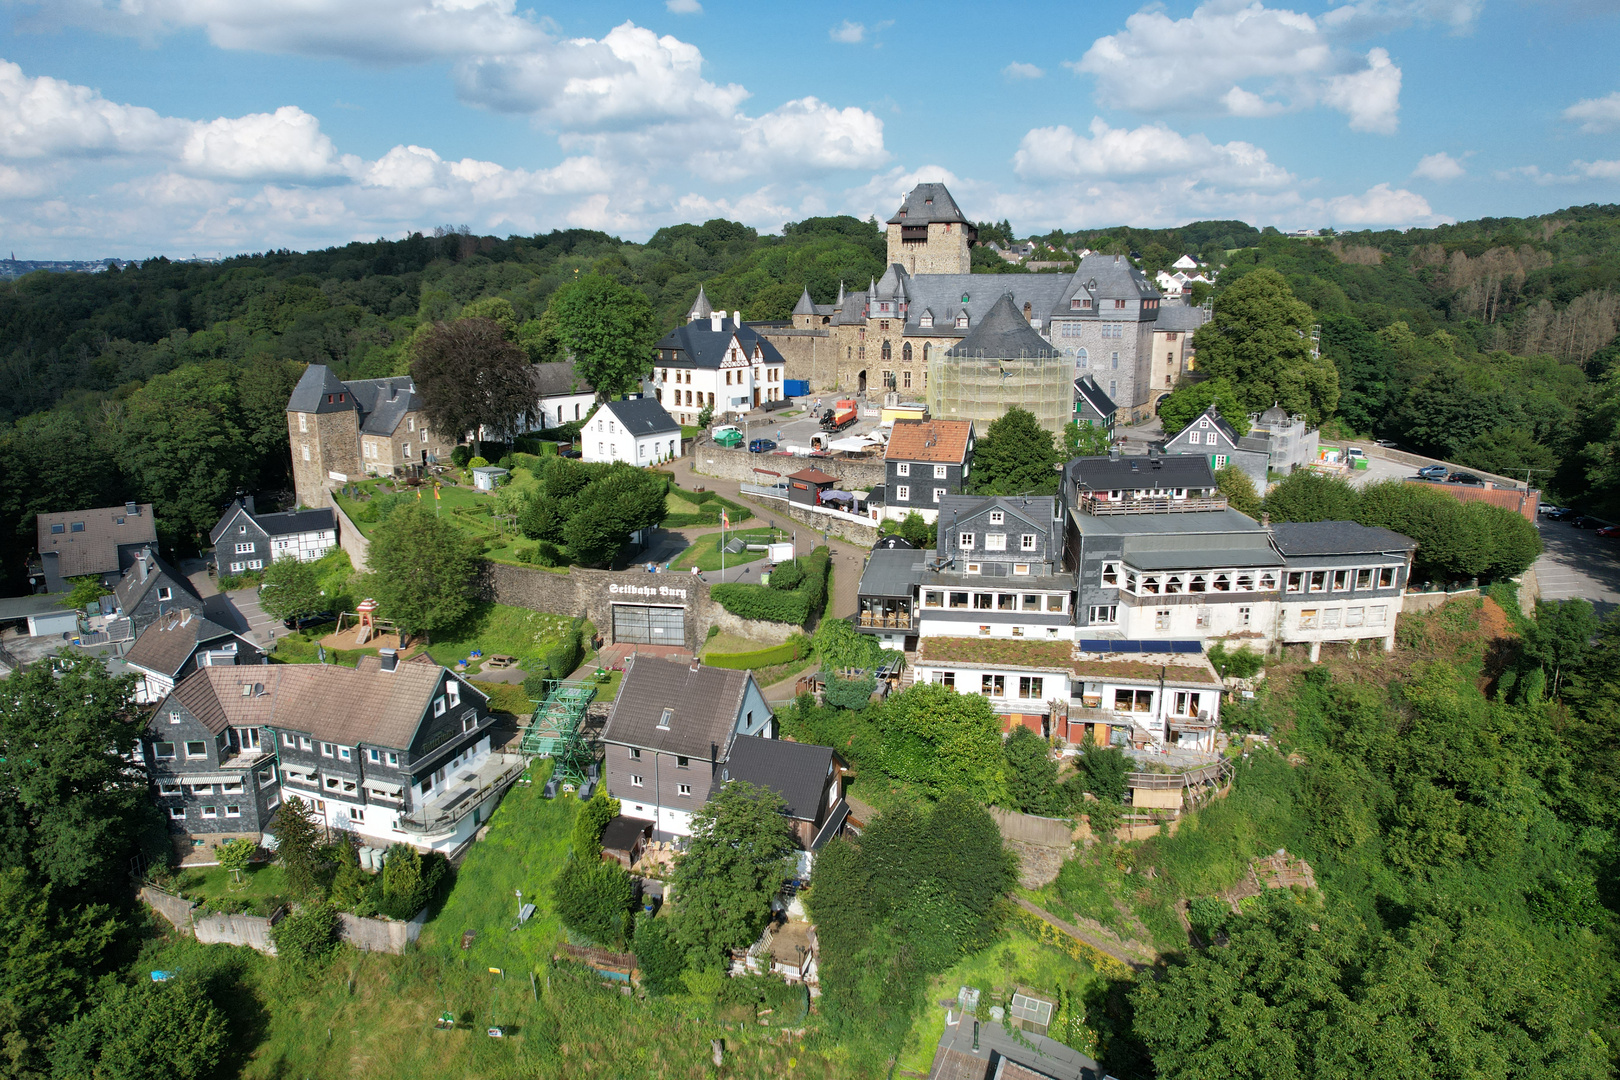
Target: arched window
[928,351]
[887,353]
[1080,357]
[905,352]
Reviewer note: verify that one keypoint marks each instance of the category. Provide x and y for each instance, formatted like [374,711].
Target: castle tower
[929,234]
[323,429]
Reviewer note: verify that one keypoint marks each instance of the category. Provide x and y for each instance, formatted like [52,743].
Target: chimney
[736,319]
[1265,520]
[248,504]
[140,561]
[132,509]
[185,617]
[389,658]
[715,319]
[1113,453]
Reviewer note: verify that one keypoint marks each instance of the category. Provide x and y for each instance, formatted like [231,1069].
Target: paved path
[1578,563]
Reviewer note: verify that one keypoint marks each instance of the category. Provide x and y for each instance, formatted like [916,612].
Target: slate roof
[1004,335]
[702,346]
[285,523]
[166,645]
[940,441]
[891,542]
[1107,277]
[701,308]
[805,306]
[310,395]
[704,706]
[381,403]
[356,706]
[1296,538]
[1127,473]
[621,833]
[557,380]
[1212,414]
[795,771]
[95,550]
[892,572]
[642,416]
[131,590]
[941,295]
[1180,317]
[1086,387]
[928,203]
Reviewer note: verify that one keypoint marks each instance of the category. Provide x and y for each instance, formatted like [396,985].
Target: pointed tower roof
[1004,334]
[701,308]
[805,306]
[840,292]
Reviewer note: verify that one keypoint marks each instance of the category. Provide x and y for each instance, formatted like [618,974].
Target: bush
[759,658]
[593,900]
[308,935]
[460,456]
[659,957]
[764,602]
[1241,663]
[1104,769]
[408,881]
[476,462]
[787,576]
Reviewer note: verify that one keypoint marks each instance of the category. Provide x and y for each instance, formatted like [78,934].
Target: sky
[131,128]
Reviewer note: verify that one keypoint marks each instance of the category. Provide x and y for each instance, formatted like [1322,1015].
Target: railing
[773,491]
[897,621]
[1214,772]
[1099,507]
[427,821]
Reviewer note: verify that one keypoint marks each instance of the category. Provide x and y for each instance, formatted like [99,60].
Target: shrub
[659,957]
[593,899]
[476,462]
[759,658]
[1241,663]
[460,456]
[787,576]
[308,935]
[408,881]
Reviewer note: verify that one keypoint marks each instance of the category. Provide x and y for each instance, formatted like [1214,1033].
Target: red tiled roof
[942,441]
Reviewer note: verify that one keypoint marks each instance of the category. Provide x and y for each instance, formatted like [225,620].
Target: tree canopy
[472,378]
[1260,342]
[739,854]
[608,329]
[291,588]
[1015,456]
[423,569]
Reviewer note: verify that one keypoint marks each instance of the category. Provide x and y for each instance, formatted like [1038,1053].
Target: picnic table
[498,660]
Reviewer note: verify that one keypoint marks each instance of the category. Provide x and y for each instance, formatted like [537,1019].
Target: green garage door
[640,624]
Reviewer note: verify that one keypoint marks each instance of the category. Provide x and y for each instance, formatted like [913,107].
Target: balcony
[463,793]
[891,620]
[1101,507]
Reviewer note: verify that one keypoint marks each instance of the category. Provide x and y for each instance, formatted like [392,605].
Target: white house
[561,396]
[246,540]
[639,432]
[716,362]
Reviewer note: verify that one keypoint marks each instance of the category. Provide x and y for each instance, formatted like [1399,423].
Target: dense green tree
[298,838]
[939,739]
[291,588]
[1102,771]
[1085,440]
[1235,484]
[622,500]
[263,386]
[608,330]
[1560,638]
[86,591]
[472,379]
[739,854]
[1260,340]
[660,960]
[71,809]
[1190,400]
[594,815]
[1015,456]
[185,448]
[924,534]
[309,935]
[148,1031]
[236,855]
[593,899]
[1368,376]
[423,569]
[1031,773]
[1308,495]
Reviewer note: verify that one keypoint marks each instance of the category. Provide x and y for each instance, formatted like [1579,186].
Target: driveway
[1578,562]
[240,611]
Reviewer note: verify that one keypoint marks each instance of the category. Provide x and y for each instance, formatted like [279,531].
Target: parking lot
[795,424]
[1578,562]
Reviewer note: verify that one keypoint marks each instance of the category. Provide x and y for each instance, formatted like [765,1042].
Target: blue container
[796,387]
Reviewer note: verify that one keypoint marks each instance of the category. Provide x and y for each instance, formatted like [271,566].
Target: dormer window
[1079,303]
[962,321]
[664,718]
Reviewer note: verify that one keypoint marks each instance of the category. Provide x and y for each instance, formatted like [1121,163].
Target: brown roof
[704,706]
[941,441]
[1059,656]
[347,705]
[813,476]
[165,645]
[95,550]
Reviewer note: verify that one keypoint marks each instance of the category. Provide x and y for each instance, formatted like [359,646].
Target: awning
[389,791]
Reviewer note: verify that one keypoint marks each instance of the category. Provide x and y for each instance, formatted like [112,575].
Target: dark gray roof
[704,347]
[94,548]
[131,589]
[166,645]
[927,203]
[704,704]
[314,387]
[1003,334]
[701,308]
[892,572]
[1180,317]
[805,306]
[557,380]
[384,402]
[941,295]
[1338,538]
[1165,551]
[893,541]
[1202,523]
[1135,473]
[795,771]
[1216,422]
[1275,415]
[642,416]
[1086,387]
[1108,277]
[621,833]
[292,522]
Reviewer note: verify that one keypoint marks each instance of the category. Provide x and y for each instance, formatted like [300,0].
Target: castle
[342,431]
[1106,317]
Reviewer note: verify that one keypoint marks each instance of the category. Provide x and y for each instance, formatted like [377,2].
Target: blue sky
[138,127]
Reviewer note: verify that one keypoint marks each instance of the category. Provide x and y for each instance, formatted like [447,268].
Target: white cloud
[1378,205]
[1596,115]
[1439,167]
[1245,60]
[44,117]
[1598,170]
[1150,151]
[287,143]
[1020,70]
[848,33]
[683,7]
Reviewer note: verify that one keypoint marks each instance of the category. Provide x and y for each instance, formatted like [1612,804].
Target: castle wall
[946,251]
[323,444]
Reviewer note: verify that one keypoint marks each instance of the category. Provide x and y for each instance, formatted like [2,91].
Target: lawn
[499,628]
[263,888]
[705,550]
[450,497]
[1017,959]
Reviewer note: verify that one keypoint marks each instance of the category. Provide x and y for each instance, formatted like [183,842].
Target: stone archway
[860,382]
[1159,401]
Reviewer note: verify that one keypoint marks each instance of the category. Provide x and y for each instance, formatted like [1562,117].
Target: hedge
[774,605]
[759,658]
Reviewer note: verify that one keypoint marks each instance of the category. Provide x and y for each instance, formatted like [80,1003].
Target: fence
[1045,831]
[763,491]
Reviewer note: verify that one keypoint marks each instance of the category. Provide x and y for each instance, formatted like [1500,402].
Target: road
[1578,563]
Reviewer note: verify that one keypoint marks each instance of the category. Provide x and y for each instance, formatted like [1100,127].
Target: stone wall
[863,473]
[250,930]
[351,539]
[835,524]
[171,907]
[368,935]
[379,935]
[1029,829]
[810,354]
[1428,601]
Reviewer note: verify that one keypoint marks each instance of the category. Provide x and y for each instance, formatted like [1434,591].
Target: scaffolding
[557,730]
[982,388]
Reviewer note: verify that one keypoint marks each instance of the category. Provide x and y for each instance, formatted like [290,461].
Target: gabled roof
[1109,277]
[703,705]
[94,550]
[1297,538]
[1208,422]
[363,705]
[285,523]
[1003,334]
[642,416]
[164,647]
[384,402]
[928,203]
[954,510]
[940,441]
[1086,388]
[1131,473]
[315,386]
[892,571]
[557,379]
[701,346]
[796,771]
[813,476]
[133,587]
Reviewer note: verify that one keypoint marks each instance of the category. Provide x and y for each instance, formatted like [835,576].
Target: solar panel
[1096,645]
[1189,646]
[1128,646]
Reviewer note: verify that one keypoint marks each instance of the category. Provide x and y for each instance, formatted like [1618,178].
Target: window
[1110,575]
[163,751]
[345,753]
[1364,579]
[453,690]
[905,376]
[1006,601]
[393,759]
[210,811]
[201,789]
[993,685]
[1021,568]
[1330,618]
[1103,614]
[405,450]
[1386,577]
[356,814]
[1195,438]
[58,528]
[177,813]
[439,706]
[332,783]
[1161,619]
[939,472]
[196,749]
[983,601]
[1268,580]
[165,593]
[1018,631]
[1030,687]
[995,541]
[902,492]
[1244,616]
[1201,619]
[684,790]
[288,740]
[1220,461]
[635,780]
[233,811]
[327,749]
[1341,580]
[984,631]
[78,526]
[305,448]
[938,494]
[374,755]
[1376,615]
[305,743]
[997,517]
[943,678]
[1054,602]
[231,787]
[169,789]
[965,541]
[1307,618]
[1355,616]
[635,753]
[1296,581]
[959,599]
[1026,542]
[933,598]
[303,421]
[903,469]
[469,723]
[1318,581]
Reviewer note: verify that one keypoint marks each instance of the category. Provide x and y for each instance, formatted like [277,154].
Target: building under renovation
[1002,363]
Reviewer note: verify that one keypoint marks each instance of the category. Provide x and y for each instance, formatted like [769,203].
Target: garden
[704,554]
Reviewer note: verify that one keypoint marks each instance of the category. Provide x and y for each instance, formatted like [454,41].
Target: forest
[1490,343]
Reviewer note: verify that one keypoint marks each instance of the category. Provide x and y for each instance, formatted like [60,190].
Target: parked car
[1463,478]
[303,622]
[1433,472]
[1584,522]
[1562,513]
[1609,531]
[1549,510]
[761,446]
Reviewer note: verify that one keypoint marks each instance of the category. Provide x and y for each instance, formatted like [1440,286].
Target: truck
[840,416]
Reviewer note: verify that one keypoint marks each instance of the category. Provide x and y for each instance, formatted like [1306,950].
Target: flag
[725,519]
[436,494]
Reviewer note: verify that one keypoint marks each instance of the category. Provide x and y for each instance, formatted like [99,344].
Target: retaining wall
[377,935]
[351,539]
[837,525]
[253,931]
[171,907]
[1045,831]
[250,930]
[745,468]
[1428,601]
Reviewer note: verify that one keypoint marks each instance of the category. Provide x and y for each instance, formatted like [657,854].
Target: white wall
[305,546]
[605,439]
